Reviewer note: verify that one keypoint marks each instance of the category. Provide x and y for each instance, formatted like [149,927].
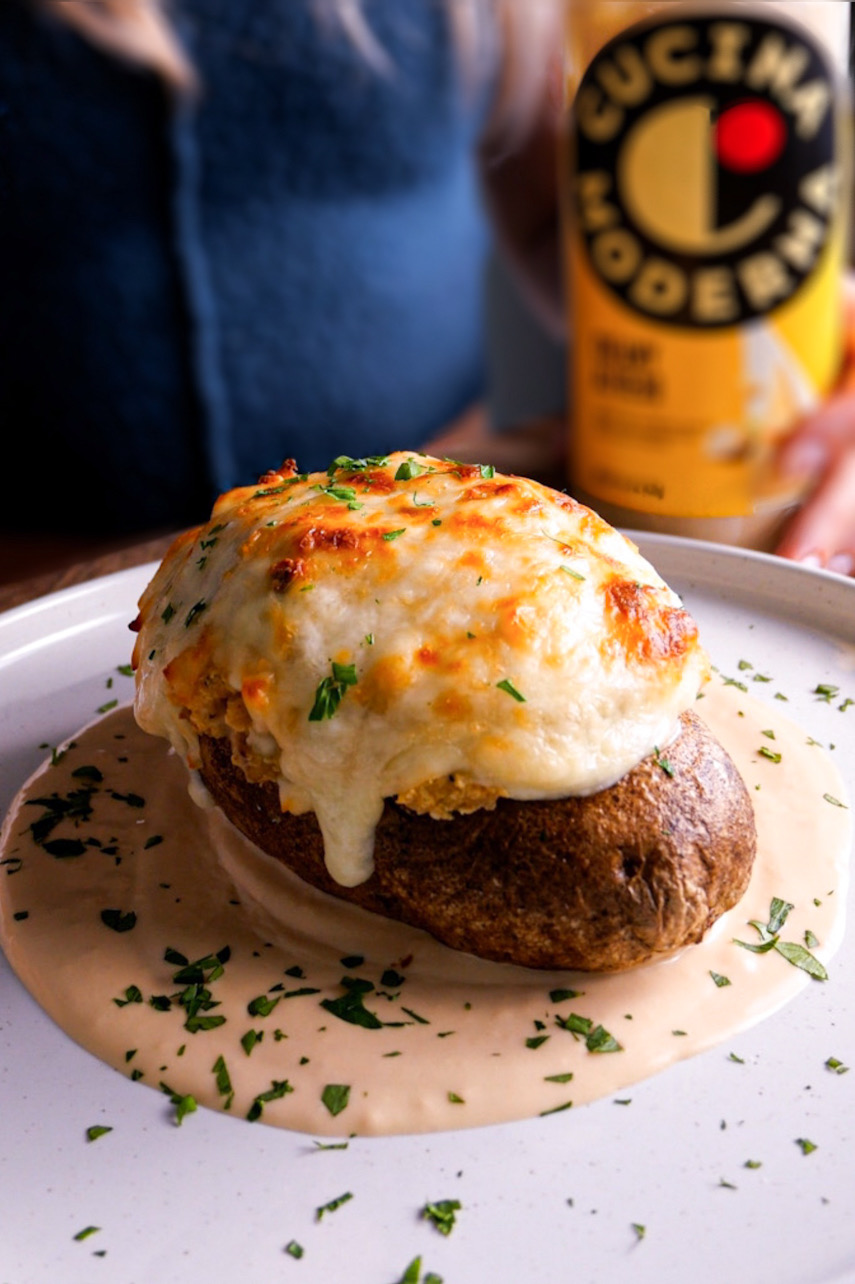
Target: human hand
[822,533]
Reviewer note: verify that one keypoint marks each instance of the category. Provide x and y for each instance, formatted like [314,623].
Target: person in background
[231,233]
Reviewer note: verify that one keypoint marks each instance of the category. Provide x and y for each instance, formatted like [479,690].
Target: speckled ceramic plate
[557,1198]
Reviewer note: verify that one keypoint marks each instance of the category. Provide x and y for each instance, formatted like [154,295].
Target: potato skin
[600,883]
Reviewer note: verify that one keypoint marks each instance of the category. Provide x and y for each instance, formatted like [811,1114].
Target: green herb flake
[556,1110]
[409,469]
[558,1078]
[811,940]
[331,691]
[86,1232]
[768,753]
[413,1273]
[536,1041]
[262,1005]
[835,802]
[96,1131]
[224,1083]
[836,1066]
[350,1006]
[662,762]
[249,1040]
[508,687]
[293,1249]
[455,1100]
[333,1205]
[105,708]
[117,921]
[599,1040]
[753,1163]
[639,1229]
[562,995]
[568,570]
[441,1214]
[132,994]
[745,664]
[720,980]
[278,1089]
[390,535]
[168,613]
[826,693]
[184,1103]
[805,1146]
[740,1061]
[336,1097]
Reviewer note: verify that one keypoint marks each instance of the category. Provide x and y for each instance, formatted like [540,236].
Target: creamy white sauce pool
[462,1042]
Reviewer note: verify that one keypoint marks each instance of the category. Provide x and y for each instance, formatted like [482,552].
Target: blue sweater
[290,266]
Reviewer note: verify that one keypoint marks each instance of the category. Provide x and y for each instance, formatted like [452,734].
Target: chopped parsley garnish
[561,996]
[132,994]
[536,1041]
[508,687]
[765,752]
[558,1078]
[333,1205]
[455,1099]
[105,708]
[442,1214]
[184,1103]
[335,1097]
[96,1131]
[331,690]
[487,471]
[249,1040]
[836,1065]
[117,921]
[805,1146]
[825,692]
[597,1038]
[224,1083]
[792,951]
[278,1088]
[640,1230]
[835,802]
[662,762]
[390,535]
[293,1249]
[720,980]
[409,469]
[568,570]
[262,1006]
[350,1006]
[86,1232]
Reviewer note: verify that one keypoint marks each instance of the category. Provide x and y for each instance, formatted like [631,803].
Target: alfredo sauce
[171,948]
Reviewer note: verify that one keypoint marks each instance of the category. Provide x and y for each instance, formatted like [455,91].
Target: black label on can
[704,168]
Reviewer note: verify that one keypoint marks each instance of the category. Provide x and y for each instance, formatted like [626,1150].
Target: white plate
[552,1199]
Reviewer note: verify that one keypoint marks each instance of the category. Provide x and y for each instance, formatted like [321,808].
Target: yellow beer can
[706,216]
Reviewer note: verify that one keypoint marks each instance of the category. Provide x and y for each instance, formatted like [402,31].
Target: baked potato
[601,882]
[445,694]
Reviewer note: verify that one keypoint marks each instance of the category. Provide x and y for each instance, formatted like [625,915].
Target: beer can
[706,202]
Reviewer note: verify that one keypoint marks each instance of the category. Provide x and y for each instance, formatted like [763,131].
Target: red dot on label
[749,136]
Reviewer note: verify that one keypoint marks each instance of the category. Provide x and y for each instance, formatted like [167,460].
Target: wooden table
[63,574]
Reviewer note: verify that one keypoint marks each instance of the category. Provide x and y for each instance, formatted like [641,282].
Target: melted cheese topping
[412,628]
